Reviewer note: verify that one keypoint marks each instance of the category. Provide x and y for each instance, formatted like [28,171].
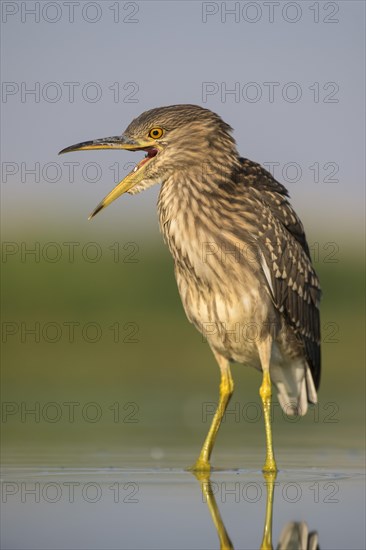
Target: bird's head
[175,139]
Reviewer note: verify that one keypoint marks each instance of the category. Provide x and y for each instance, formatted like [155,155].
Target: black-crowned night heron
[241,258]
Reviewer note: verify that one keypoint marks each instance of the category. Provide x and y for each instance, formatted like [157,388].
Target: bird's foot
[200,466]
[269,466]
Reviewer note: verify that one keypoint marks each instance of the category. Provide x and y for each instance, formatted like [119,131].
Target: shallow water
[63,502]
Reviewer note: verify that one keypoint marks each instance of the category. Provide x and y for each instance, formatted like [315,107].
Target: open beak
[119,142]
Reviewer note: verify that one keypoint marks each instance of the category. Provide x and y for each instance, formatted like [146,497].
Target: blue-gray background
[162,53]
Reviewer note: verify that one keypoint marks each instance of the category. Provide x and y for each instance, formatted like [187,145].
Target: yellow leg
[226,390]
[265,392]
[270,479]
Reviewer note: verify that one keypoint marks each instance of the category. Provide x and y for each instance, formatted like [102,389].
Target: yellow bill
[119,142]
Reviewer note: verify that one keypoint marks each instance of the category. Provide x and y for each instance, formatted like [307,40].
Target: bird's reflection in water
[209,497]
[294,535]
[269,479]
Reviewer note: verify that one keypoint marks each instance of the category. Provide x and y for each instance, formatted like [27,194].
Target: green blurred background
[149,385]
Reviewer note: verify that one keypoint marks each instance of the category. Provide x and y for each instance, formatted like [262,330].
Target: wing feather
[286,261]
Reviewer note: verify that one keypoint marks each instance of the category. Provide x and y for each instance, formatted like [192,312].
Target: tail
[295,387]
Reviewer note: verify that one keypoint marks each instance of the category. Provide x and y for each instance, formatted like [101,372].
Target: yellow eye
[156,133]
